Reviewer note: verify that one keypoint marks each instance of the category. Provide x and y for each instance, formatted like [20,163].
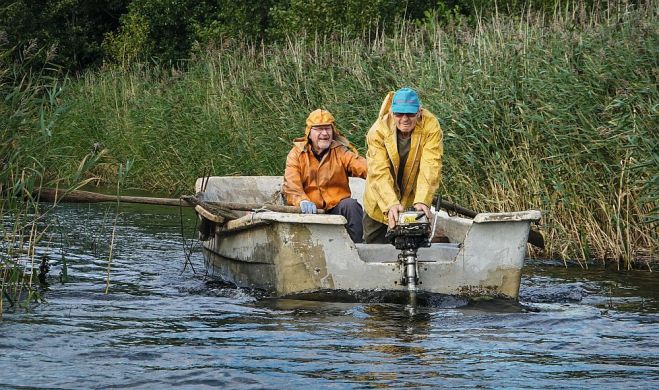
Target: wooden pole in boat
[74,196]
[535,238]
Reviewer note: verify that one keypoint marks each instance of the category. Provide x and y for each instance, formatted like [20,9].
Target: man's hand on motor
[308,207]
[392,215]
[424,208]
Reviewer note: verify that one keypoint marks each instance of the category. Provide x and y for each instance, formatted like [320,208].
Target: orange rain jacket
[323,182]
[422,170]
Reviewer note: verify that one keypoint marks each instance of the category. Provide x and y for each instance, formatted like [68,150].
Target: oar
[54,195]
[535,238]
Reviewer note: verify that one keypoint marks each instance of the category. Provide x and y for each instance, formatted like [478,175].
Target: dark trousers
[353,212]
[374,231]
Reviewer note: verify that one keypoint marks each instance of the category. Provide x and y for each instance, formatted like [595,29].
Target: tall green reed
[30,108]
[556,112]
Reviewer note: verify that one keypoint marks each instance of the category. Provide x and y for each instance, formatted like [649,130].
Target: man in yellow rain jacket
[405,147]
[317,171]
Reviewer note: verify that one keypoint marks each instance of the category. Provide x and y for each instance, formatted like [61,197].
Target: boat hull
[292,254]
[286,258]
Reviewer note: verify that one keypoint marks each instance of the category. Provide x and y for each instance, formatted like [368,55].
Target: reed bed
[556,112]
[29,110]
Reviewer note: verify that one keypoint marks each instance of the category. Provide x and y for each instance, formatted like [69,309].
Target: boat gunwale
[268,217]
[508,216]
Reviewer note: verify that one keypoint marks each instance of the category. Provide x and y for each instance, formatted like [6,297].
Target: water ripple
[161,326]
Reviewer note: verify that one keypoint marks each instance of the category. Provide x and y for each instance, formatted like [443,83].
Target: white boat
[288,254]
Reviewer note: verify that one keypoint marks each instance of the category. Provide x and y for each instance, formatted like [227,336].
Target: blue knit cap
[405,101]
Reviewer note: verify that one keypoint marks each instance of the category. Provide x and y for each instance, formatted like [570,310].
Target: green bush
[73,29]
[167,30]
[85,33]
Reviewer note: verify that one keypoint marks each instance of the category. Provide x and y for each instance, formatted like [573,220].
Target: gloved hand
[308,207]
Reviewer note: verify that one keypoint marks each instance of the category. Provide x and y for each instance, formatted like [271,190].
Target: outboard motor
[411,233]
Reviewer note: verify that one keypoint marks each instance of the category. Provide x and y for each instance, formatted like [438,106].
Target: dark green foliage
[174,27]
[72,30]
[351,17]
[167,30]
[83,33]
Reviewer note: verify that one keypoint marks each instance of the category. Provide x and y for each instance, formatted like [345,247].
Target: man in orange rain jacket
[317,171]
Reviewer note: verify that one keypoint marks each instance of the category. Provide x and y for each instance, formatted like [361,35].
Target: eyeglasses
[326,129]
[407,114]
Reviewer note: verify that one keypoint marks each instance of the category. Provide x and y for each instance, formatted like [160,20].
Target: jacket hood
[386,104]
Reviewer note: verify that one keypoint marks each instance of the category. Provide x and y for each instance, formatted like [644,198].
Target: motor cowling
[411,232]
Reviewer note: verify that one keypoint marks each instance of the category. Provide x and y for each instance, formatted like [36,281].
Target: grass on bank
[556,112]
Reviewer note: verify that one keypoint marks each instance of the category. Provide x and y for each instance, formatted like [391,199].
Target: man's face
[321,137]
[405,122]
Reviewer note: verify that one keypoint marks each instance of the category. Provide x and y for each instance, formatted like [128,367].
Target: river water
[165,324]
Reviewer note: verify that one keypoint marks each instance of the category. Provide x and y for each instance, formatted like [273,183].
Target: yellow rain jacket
[422,170]
[323,182]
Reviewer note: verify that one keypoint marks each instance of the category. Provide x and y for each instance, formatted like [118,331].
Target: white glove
[308,207]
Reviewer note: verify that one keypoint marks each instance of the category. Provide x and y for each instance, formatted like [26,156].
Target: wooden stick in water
[53,195]
[62,196]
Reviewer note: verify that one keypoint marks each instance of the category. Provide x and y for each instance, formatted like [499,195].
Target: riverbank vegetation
[554,109]
[31,106]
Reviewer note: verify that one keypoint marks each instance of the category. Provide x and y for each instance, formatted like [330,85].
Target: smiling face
[405,123]
[321,137]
